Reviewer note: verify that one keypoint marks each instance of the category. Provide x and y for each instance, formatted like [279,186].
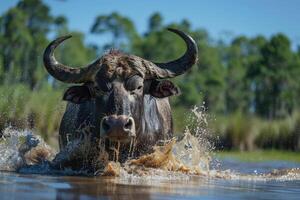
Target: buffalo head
[118,84]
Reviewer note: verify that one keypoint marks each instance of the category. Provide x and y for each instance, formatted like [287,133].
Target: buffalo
[122,99]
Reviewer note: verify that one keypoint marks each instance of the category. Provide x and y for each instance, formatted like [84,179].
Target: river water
[225,179]
[177,169]
[24,186]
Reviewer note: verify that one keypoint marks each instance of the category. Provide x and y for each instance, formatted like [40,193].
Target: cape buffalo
[121,98]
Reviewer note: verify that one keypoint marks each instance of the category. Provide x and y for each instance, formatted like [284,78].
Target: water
[178,169]
[21,186]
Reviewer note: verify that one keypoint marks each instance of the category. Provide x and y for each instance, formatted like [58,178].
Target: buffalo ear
[78,94]
[161,89]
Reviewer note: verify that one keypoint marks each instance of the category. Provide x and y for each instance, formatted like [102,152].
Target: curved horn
[178,66]
[65,73]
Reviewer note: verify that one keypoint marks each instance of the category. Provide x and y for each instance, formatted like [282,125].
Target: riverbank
[260,156]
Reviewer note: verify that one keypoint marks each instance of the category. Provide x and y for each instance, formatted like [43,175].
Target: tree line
[253,75]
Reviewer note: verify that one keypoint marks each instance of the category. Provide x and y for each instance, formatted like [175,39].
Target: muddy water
[155,176]
[182,168]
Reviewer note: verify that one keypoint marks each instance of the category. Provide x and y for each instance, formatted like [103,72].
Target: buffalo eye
[134,83]
[139,87]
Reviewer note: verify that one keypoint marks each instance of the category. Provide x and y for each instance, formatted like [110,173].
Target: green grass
[40,110]
[260,156]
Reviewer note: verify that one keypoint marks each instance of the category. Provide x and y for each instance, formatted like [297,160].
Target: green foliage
[274,78]
[242,132]
[22,108]
[120,27]
[261,156]
[23,29]
[155,22]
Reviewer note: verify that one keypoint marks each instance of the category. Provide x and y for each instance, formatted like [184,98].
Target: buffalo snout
[118,128]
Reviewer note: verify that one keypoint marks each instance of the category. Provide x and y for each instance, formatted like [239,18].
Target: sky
[221,18]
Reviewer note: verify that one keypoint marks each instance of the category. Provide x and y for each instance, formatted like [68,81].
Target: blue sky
[218,17]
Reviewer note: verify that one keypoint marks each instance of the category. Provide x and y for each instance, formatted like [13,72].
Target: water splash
[185,157]
[18,148]
[178,158]
[191,154]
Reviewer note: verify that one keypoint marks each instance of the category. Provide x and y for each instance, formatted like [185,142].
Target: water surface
[180,169]
[24,186]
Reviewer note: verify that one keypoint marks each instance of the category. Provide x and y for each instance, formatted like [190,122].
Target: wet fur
[152,113]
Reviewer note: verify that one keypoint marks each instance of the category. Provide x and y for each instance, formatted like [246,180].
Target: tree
[273,77]
[23,36]
[241,55]
[14,44]
[206,82]
[121,28]
[24,29]
[38,21]
[61,25]
[155,22]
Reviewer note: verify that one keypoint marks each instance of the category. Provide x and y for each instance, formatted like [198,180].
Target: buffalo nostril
[128,124]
